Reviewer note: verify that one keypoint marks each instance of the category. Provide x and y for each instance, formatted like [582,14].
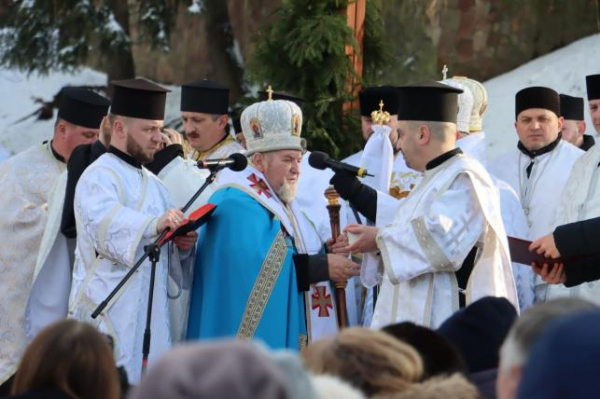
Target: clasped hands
[340,267]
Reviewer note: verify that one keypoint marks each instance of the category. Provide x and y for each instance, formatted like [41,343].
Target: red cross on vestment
[322,300]
[259,186]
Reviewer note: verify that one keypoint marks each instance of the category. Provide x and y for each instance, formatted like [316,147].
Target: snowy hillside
[564,70]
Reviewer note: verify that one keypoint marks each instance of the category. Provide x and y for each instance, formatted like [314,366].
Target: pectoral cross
[321,300]
[445,72]
[270,92]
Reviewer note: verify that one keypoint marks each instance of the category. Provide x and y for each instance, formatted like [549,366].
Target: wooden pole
[355,16]
[333,207]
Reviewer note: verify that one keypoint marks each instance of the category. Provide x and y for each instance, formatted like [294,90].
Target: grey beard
[287,192]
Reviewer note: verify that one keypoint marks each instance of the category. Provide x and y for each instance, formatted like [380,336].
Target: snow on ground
[20,92]
[563,70]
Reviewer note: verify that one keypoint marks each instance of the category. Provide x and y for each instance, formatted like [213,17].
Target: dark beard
[137,152]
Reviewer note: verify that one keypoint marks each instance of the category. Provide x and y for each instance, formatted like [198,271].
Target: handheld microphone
[236,162]
[320,160]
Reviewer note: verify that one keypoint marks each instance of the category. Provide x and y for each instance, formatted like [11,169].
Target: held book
[193,222]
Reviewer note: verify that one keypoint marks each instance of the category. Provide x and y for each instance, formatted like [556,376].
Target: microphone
[236,162]
[320,160]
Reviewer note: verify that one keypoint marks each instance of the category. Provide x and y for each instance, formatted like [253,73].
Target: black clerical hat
[237,125]
[428,101]
[571,107]
[139,98]
[370,97]
[279,95]
[205,96]
[537,97]
[593,87]
[82,107]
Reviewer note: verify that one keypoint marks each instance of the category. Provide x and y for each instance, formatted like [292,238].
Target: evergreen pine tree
[44,35]
[303,52]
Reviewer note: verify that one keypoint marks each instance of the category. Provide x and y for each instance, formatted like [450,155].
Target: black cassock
[580,239]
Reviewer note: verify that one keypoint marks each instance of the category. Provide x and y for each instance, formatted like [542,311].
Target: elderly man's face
[282,170]
[537,127]
[595,114]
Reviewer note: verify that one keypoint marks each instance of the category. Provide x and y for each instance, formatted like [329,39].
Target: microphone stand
[152,251]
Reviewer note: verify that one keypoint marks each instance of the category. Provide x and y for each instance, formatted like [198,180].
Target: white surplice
[540,193]
[402,181]
[455,207]
[580,200]
[49,297]
[513,217]
[117,207]
[25,183]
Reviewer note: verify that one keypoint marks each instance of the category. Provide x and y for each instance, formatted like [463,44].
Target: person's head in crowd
[465,106]
[426,122]
[537,117]
[80,113]
[272,131]
[372,361]
[370,100]
[571,109]
[478,330]
[439,356]
[69,358]
[330,387]
[237,130]
[216,370]
[204,106]
[525,333]
[564,362]
[593,95]
[455,386]
[137,118]
[480,102]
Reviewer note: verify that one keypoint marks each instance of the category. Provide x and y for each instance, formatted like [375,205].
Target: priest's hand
[186,242]
[545,246]
[337,246]
[170,136]
[551,273]
[171,219]
[362,238]
[346,184]
[341,268]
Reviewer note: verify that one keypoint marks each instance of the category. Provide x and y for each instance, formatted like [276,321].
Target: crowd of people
[445,273]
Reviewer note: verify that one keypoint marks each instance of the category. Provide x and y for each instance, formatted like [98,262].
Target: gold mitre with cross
[272,125]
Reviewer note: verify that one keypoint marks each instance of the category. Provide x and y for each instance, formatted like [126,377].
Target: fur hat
[439,356]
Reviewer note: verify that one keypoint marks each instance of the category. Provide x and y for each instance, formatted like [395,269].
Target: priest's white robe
[49,296]
[454,207]
[117,207]
[540,193]
[25,182]
[402,181]
[513,217]
[580,200]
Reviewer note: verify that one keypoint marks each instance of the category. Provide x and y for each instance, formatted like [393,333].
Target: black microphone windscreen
[317,159]
[240,162]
